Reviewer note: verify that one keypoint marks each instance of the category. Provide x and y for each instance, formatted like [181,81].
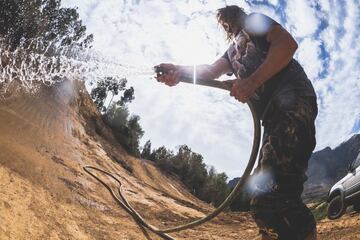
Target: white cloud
[267,10]
[309,56]
[340,90]
[145,33]
[274,2]
[301,18]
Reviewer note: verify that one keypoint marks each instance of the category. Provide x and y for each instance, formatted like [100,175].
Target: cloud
[145,33]
[309,56]
[301,18]
[339,91]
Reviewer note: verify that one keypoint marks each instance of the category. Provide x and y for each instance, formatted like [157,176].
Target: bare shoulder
[275,31]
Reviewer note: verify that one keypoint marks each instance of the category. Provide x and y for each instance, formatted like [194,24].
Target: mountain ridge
[326,167]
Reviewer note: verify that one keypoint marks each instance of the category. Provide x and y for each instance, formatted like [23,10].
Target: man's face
[227,27]
[230,29]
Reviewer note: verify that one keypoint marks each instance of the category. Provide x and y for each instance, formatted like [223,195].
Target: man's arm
[205,71]
[281,51]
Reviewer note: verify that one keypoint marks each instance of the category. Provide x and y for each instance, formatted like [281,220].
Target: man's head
[231,19]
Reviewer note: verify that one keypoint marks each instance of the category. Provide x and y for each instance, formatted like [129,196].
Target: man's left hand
[243,90]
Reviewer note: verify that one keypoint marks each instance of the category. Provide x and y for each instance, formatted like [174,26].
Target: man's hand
[171,75]
[243,90]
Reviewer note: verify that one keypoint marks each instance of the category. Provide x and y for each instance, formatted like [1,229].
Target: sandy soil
[46,139]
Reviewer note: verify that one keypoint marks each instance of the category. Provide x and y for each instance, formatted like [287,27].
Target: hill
[46,139]
[328,166]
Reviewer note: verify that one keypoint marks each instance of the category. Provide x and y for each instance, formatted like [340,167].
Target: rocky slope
[328,166]
[46,139]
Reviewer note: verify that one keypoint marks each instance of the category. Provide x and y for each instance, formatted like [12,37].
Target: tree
[241,202]
[125,128]
[198,173]
[146,150]
[43,20]
[222,189]
[135,133]
[117,116]
[192,171]
[181,162]
[163,157]
[110,85]
[127,97]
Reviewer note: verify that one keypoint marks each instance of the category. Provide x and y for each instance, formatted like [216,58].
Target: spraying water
[31,64]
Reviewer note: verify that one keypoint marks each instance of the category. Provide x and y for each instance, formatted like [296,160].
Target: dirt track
[44,193]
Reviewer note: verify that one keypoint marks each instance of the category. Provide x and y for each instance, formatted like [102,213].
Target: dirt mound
[46,139]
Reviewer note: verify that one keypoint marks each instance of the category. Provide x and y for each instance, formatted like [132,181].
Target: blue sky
[145,33]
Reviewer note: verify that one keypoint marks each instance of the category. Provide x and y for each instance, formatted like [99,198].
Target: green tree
[192,171]
[215,188]
[127,97]
[110,85]
[222,189]
[196,174]
[181,162]
[146,150]
[45,20]
[163,158]
[126,128]
[135,133]
[241,202]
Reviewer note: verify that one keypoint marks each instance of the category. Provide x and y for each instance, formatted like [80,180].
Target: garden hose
[121,199]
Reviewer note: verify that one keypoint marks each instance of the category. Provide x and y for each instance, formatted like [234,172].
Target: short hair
[231,16]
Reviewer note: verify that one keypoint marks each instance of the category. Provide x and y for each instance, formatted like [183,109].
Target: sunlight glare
[194,74]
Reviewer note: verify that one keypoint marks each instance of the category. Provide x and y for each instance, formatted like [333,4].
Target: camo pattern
[289,139]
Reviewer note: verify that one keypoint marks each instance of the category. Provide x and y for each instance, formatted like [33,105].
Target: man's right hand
[171,75]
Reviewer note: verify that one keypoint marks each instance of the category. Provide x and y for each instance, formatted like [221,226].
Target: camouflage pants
[288,141]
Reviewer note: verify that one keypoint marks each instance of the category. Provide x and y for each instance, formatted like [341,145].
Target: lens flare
[260,182]
[194,74]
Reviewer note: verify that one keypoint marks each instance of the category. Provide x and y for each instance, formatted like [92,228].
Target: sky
[141,34]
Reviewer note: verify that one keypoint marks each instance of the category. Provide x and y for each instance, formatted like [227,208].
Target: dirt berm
[46,139]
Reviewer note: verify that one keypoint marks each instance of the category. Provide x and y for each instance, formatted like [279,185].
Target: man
[261,57]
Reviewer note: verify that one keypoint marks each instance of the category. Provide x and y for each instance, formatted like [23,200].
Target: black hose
[121,200]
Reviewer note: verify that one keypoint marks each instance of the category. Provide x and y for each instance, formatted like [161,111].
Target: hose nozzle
[159,71]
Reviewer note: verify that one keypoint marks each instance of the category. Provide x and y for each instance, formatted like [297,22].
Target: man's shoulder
[258,23]
[258,16]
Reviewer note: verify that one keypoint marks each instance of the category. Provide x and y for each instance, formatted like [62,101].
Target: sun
[199,42]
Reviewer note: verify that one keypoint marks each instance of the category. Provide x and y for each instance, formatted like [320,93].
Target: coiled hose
[121,200]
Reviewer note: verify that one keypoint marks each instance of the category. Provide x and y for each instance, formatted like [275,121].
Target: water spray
[122,201]
[29,66]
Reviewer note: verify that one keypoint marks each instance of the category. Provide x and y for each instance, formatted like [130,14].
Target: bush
[126,129]
[205,184]
[319,211]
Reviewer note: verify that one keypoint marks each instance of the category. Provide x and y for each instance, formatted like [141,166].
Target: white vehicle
[345,192]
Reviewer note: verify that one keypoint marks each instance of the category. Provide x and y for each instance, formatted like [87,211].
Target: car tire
[357,206]
[336,208]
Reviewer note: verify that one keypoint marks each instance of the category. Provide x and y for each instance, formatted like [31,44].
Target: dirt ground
[45,141]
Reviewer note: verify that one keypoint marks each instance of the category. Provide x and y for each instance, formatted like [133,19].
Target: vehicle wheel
[357,206]
[336,208]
